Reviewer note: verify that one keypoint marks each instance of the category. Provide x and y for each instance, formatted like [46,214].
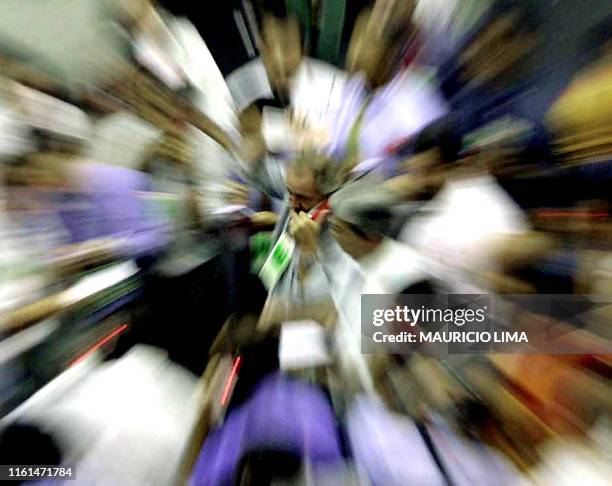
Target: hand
[278,310]
[264,218]
[305,231]
[237,193]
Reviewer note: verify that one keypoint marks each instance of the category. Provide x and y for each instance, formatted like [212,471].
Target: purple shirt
[388,447]
[109,204]
[397,110]
[284,415]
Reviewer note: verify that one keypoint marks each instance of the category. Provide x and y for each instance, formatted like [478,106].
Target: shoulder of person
[324,67]
[252,65]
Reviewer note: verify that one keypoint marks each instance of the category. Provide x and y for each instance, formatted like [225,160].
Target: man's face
[302,188]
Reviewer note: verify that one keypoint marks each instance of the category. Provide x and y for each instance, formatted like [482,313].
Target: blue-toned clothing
[284,415]
[107,202]
[393,113]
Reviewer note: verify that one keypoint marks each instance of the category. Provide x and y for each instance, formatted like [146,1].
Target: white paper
[98,281]
[277,131]
[302,345]
[248,84]
[232,209]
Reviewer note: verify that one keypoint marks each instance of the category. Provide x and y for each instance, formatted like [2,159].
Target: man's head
[437,144]
[281,51]
[433,149]
[352,239]
[362,216]
[130,13]
[45,167]
[423,174]
[311,177]
[375,48]
[500,50]
[597,43]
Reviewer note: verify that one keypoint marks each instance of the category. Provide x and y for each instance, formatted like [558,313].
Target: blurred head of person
[434,150]
[281,51]
[17,68]
[355,240]
[394,12]
[172,148]
[129,13]
[580,118]
[362,215]
[596,47]
[501,49]
[376,47]
[311,178]
[45,167]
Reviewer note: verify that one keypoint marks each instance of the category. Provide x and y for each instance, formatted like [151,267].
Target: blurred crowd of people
[184,252]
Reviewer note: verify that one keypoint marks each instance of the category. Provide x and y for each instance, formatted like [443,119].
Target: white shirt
[466,216]
[394,112]
[121,139]
[315,96]
[388,270]
[122,422]
[14,134]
